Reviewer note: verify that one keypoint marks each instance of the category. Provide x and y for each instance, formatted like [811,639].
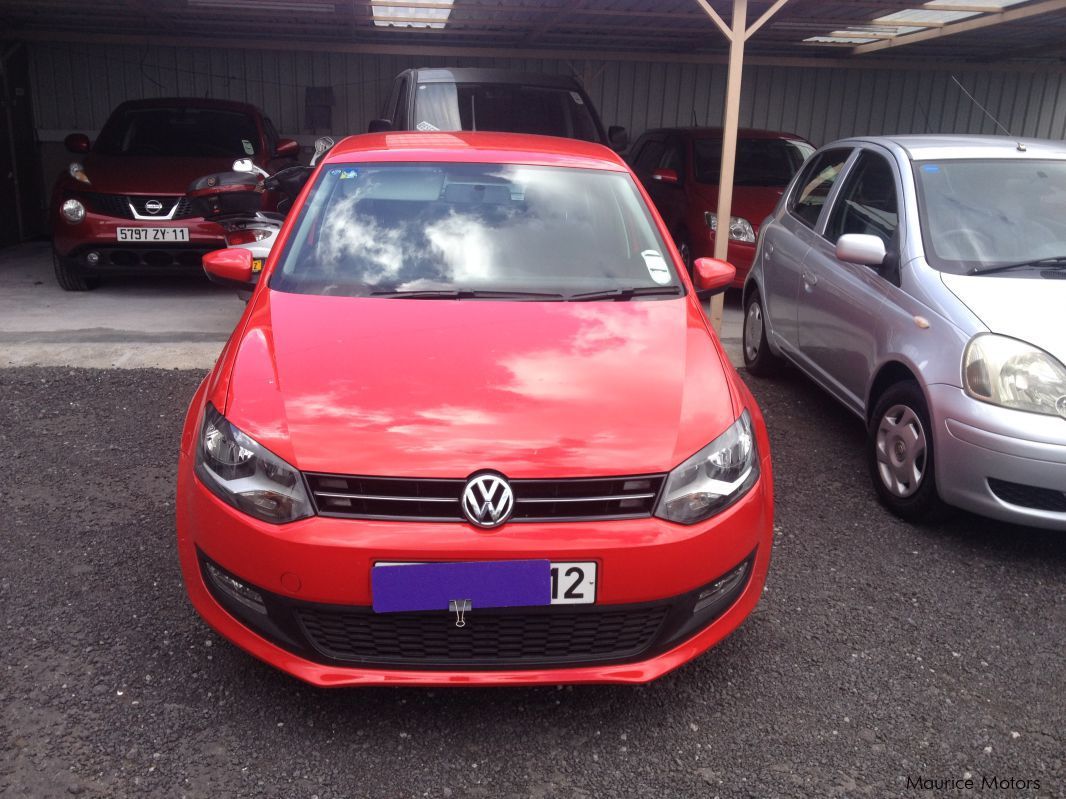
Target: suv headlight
[77,171]
[242,472]
[1008,372]
[714,478]
[740,229]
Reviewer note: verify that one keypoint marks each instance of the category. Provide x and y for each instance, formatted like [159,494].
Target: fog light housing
[73,211]
[92,258]
[723,587]
[235,589]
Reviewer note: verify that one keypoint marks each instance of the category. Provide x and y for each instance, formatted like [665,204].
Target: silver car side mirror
[248,165]
[861,248]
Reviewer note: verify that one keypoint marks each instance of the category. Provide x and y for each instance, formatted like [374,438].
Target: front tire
[900,454]
[69,277]
[758,358]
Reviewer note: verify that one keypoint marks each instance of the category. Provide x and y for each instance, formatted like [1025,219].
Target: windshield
[378,229]
[977,214]
[505,107]
[179,133]
[760,162]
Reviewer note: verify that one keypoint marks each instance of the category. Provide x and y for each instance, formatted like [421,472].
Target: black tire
[900,454]
[69,277]
[758,358]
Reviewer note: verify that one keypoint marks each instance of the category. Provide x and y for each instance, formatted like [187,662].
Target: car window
[760,162]
[674,157]
[867,202]
[372,229]
[814,184]
[179,132]
[505,107]
[271,134]
[650,155]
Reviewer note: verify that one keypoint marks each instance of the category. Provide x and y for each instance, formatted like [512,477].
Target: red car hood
[139,174]
[753,203]
[431,388]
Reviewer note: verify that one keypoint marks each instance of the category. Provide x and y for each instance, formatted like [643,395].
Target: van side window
[867,202]
[814,185]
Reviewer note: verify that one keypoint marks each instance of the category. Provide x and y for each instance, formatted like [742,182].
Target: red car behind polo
[680,166]
[473,428]
[120,206]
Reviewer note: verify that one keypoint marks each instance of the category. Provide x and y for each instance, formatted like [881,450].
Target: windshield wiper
[466,294]
[1058,261]
[621,295]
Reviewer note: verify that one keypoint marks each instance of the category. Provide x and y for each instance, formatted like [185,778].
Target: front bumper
[317,572]
[1001,463]
[98,234]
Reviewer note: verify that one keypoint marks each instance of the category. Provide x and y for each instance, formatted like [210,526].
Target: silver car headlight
[1008,372]
[740,229]
[714,478]
[251,478]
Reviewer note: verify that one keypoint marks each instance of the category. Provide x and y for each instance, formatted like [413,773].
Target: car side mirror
[861,248]
[77,143]
[287,148]
[379,126]
[618,137]
[231,267]
[713,276]
[247,166]
[665,175]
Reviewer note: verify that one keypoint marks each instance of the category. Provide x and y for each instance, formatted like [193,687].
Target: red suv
[473,428]
[120,206]
[680,166]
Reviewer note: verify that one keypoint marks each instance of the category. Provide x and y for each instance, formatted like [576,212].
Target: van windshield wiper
[466,294]
[1058,261]
[621,295]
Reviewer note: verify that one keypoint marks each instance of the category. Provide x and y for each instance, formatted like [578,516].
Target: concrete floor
[134,323]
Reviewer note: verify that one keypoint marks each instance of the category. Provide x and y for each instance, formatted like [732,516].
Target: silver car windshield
[383,229]
[979,214]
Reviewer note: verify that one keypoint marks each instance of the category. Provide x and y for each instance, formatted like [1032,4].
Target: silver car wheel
[753,331]
[901,451]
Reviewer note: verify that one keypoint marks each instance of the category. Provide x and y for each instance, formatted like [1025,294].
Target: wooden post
[730,122]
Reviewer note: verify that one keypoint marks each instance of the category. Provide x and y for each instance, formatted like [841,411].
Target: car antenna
[987,113]
[695,124]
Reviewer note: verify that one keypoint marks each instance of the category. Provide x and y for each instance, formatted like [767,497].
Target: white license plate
[573,583]
[150,235]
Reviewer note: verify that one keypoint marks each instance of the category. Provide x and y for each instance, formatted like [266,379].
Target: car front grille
[118,205]
[1047,499]
[440,500]
[501,637]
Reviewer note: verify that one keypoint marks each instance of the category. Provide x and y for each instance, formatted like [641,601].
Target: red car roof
[506,148]
[190,102]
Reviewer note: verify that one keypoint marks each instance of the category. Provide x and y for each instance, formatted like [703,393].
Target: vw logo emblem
[487,500]
[153,206]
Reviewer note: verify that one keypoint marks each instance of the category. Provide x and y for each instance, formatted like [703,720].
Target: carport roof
[989,30]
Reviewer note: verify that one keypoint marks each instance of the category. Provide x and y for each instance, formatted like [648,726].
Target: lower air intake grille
[439,500]
[490,638]
[1029,496]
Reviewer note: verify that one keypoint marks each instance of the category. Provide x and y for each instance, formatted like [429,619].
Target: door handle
[810,278]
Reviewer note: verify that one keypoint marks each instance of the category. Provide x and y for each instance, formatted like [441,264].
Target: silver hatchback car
[921,280]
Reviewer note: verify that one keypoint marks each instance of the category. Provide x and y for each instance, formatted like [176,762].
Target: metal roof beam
[974,23]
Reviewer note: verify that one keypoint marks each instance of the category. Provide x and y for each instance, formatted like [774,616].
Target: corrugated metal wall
[76,86]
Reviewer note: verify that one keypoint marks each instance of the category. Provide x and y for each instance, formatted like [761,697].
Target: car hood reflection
[444,388]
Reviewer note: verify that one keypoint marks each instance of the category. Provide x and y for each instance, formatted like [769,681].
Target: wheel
[758,358]
[69,277]
[900,454]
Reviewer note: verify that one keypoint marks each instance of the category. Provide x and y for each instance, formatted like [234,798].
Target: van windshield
[504,107]
[386,229]
[977,214]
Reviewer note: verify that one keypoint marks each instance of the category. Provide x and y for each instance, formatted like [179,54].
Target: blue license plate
[486,584]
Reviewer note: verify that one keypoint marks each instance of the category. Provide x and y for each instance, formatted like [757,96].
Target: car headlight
[73,211]
[714,478]
[248,476]
[740,229]
[1008,372]
[77,171]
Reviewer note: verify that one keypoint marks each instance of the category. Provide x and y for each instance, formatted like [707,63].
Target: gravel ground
[880,652]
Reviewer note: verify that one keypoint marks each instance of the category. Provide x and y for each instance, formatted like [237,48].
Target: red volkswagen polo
[473,428]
